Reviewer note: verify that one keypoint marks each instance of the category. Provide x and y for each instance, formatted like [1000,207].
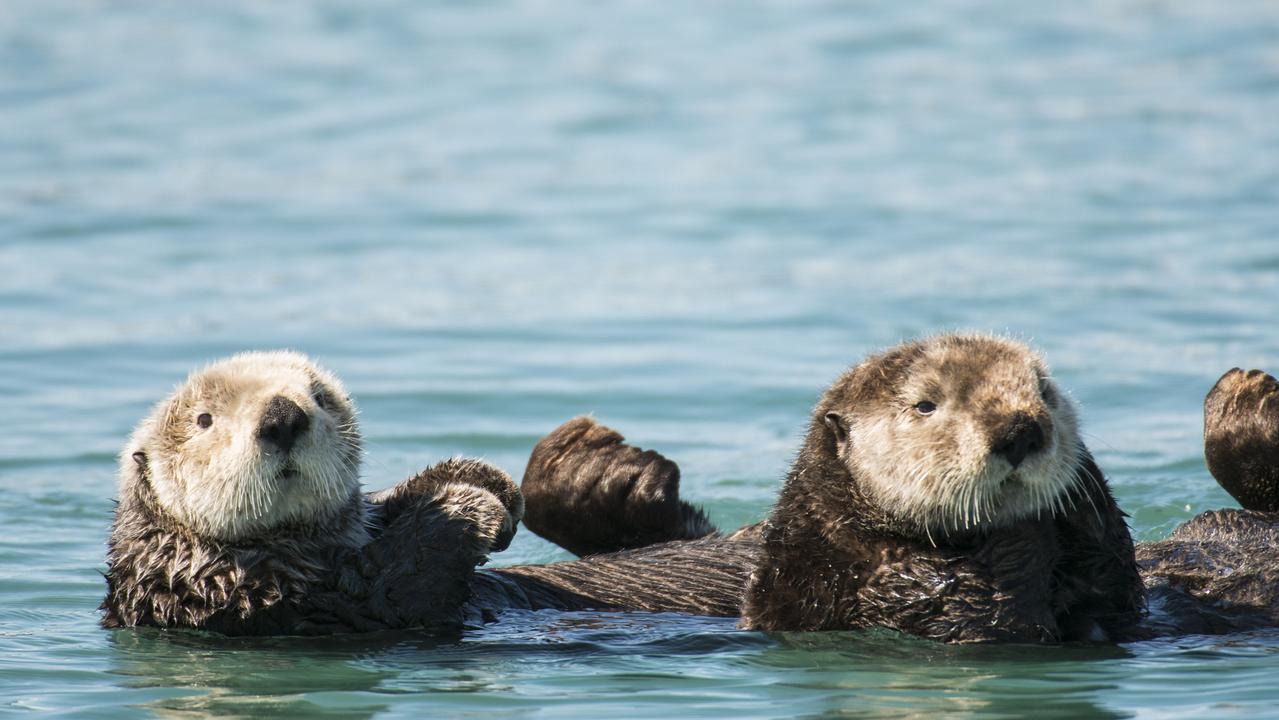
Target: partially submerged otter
[1219,572]
[942,490]
[261,527]
[998,527]
[240,512]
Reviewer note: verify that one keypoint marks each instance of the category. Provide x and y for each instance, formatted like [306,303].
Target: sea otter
[942,490]
[1219,572]
[240,512]
[1027,553]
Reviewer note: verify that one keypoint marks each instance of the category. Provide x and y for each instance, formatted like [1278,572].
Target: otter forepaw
[466,479]
[466,471]
[1243,387]
[590,493]
[461,477]
[1241,437]
[481,508]
[1243,408]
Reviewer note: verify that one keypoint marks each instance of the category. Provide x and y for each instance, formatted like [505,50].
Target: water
[488,217]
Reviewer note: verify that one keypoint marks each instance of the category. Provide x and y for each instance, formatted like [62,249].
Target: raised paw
[463,480]
[417,570]
[1241,437]
[591,493]
[1238,387]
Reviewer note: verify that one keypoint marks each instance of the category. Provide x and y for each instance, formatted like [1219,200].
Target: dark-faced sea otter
[942,490]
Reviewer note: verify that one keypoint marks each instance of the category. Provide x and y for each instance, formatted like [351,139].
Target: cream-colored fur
[939,471]
[222,482]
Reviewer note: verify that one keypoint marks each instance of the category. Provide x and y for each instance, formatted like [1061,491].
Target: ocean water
[685,218]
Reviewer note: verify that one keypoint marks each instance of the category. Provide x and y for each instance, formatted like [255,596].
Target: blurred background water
[685,218]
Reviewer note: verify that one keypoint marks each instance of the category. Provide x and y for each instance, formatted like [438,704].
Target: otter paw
[1241,437]
[451,477]
[1242,403]
[466,471]
[1251,385]
[590,493]
[482,509]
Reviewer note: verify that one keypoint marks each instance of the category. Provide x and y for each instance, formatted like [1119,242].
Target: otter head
[246,446]
[1241,437]
[953,434]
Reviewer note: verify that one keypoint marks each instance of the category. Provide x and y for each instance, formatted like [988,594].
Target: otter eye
[321,399]
[924,407]
[204,420]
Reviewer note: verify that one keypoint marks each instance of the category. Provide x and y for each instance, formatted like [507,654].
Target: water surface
[488,217]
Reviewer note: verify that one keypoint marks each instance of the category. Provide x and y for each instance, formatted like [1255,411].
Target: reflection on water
[290,677]
[903,675]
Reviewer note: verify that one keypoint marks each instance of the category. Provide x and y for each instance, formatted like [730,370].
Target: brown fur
[1241,437]
[590,493]
[844,551]
[240,513]
[1030,580]
[307,579]
[1219,572]
[701,577]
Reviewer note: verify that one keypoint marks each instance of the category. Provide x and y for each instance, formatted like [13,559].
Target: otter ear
[140,458]
[835,422]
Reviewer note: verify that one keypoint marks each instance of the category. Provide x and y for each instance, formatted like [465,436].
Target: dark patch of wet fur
[1241,437]
[701,577]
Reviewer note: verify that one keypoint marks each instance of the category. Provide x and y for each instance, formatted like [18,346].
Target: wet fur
[1033,580]
[413,571]
[1219,572]
[906,521]
[590,493]
[845,549]
[210,535]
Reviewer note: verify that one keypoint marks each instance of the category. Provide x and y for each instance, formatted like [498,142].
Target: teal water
[685,218]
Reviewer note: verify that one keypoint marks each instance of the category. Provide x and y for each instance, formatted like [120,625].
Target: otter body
[240,512]
[260,527]
[378,567]
[842,549]
[1045,579]
[941,490]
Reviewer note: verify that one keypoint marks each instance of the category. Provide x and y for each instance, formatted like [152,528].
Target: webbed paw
[1239,392]
[590,493]
[1241,437]
[475,489]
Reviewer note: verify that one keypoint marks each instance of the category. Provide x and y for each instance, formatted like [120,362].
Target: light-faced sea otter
[240,512]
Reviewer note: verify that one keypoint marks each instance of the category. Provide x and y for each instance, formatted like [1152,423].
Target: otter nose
[1021,437]
[282,423]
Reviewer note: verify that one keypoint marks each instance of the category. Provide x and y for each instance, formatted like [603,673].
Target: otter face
[956,433]
[248,444]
